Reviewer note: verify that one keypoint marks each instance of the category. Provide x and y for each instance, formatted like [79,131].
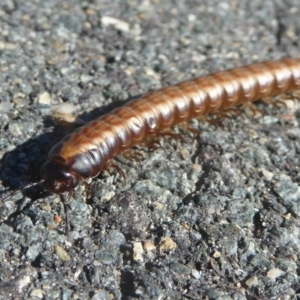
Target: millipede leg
[88,189]
[213,120]
[251,110]
[112,165]
[133,155]
[276,103]
[64,202]
[152,144]
[217,118]
[295,95]
[172,134]
[195,132]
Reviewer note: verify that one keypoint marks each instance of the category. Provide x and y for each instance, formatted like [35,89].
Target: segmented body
[86,152]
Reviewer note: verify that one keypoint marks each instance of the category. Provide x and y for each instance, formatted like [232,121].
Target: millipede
[87,151]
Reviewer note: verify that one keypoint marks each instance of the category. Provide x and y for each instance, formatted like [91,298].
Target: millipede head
[57,178]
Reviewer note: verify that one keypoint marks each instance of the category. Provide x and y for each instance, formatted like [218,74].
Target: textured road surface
[210,219]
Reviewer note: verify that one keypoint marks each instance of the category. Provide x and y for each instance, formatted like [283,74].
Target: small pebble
[118,24]
[64,112]
[275,273]
[61,253]
[167,244]
[37,293]
[44,98]
[252,281]
[217,254]
[196,274]
[148,246]
[138,252]
[24,281]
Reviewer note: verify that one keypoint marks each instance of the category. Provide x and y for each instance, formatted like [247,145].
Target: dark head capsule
[58,178]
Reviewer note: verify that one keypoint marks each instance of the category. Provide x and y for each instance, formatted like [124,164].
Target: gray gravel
[217,219]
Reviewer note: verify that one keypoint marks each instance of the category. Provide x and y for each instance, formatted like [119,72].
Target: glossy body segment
[86,152]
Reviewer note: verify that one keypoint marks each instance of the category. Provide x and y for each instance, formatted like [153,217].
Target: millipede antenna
[23,188]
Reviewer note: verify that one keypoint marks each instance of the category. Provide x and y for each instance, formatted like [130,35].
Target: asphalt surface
[216,218]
